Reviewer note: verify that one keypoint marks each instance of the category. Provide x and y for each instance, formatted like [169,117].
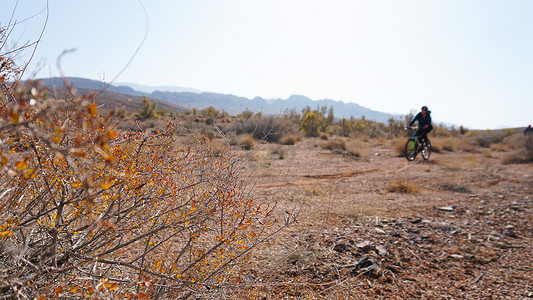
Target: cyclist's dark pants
[422,132]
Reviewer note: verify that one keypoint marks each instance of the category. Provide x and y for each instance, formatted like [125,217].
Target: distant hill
[234,104]
[150,89]
[112,98]
[190,98]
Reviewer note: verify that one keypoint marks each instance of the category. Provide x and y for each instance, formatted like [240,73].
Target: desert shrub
[246,114]
[148,110]
[247,141]
[515,141]
[523,154]
[376,130]
[281,153]
[334,144]
[487,138]
[402,185]
[87,212]
[231,138]
[356,147]
[500,147]
[311,124]
[210,112]
[269,129]
[453,185]
[334,129]
[289,139]
[451,144]
[398,145]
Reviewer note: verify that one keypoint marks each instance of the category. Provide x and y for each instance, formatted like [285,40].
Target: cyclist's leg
[421,135]
[426,131]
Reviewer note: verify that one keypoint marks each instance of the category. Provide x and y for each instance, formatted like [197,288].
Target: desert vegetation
[161,204]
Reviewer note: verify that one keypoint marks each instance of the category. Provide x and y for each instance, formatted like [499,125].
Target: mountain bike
[414,145]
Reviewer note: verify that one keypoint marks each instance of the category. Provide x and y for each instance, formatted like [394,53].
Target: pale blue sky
[470,61]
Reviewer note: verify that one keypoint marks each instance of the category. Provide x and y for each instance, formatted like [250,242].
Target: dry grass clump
[279,151]
[247,141]
[289,139]
[402,185]
[398,145]
[515,141]
[356,147]
[500,147]
[336,143]
[451,144]
[453,185]
[269,129]
[524,154]
[487,138]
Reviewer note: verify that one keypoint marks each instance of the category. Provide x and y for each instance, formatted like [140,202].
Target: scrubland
[157,204]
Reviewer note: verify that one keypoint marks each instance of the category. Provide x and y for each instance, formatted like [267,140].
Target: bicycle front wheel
[410,149]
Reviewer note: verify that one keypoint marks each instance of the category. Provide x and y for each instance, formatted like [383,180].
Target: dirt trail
[456,226]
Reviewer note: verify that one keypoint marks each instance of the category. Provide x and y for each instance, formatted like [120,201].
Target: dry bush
[356,147]
[336,143]
[453,185]
[515,141]
[279,151]
[269,129]
[523,153]
[515,157]
[451,144]
[87,212]
[231,138]
[487,154]
[487,138]
[380,141]
[247,141]
[289,139]
[398,144]
[402,185]
[500,147]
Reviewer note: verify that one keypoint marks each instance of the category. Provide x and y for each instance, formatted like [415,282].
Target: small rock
[416,221]
[377,154]
[382,251]
[447,208]
[379,230]
[457,256]
[340,247]
[509,233]
[364,246]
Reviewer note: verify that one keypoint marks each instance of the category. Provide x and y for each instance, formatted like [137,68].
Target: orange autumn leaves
[103,213]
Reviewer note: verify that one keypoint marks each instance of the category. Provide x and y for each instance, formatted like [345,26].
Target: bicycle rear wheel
[426,150]
[410,149]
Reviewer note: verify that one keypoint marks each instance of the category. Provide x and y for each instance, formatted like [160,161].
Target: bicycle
[413,146]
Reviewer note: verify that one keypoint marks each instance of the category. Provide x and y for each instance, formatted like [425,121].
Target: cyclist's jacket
[422,122]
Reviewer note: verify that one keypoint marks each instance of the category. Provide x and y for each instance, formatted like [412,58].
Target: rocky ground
[377,226]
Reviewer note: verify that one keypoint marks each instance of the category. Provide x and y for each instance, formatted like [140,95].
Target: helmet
[424,107]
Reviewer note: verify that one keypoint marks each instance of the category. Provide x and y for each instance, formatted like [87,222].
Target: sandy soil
[377,226]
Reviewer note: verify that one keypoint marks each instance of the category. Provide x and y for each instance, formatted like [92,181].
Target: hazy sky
[470,61]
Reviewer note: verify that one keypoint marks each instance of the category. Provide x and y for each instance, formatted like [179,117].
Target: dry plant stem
[128,210]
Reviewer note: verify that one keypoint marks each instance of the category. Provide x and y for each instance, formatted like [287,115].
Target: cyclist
[528,130]
[424,123]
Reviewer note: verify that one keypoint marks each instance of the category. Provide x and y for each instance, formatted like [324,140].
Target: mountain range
[179,98]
